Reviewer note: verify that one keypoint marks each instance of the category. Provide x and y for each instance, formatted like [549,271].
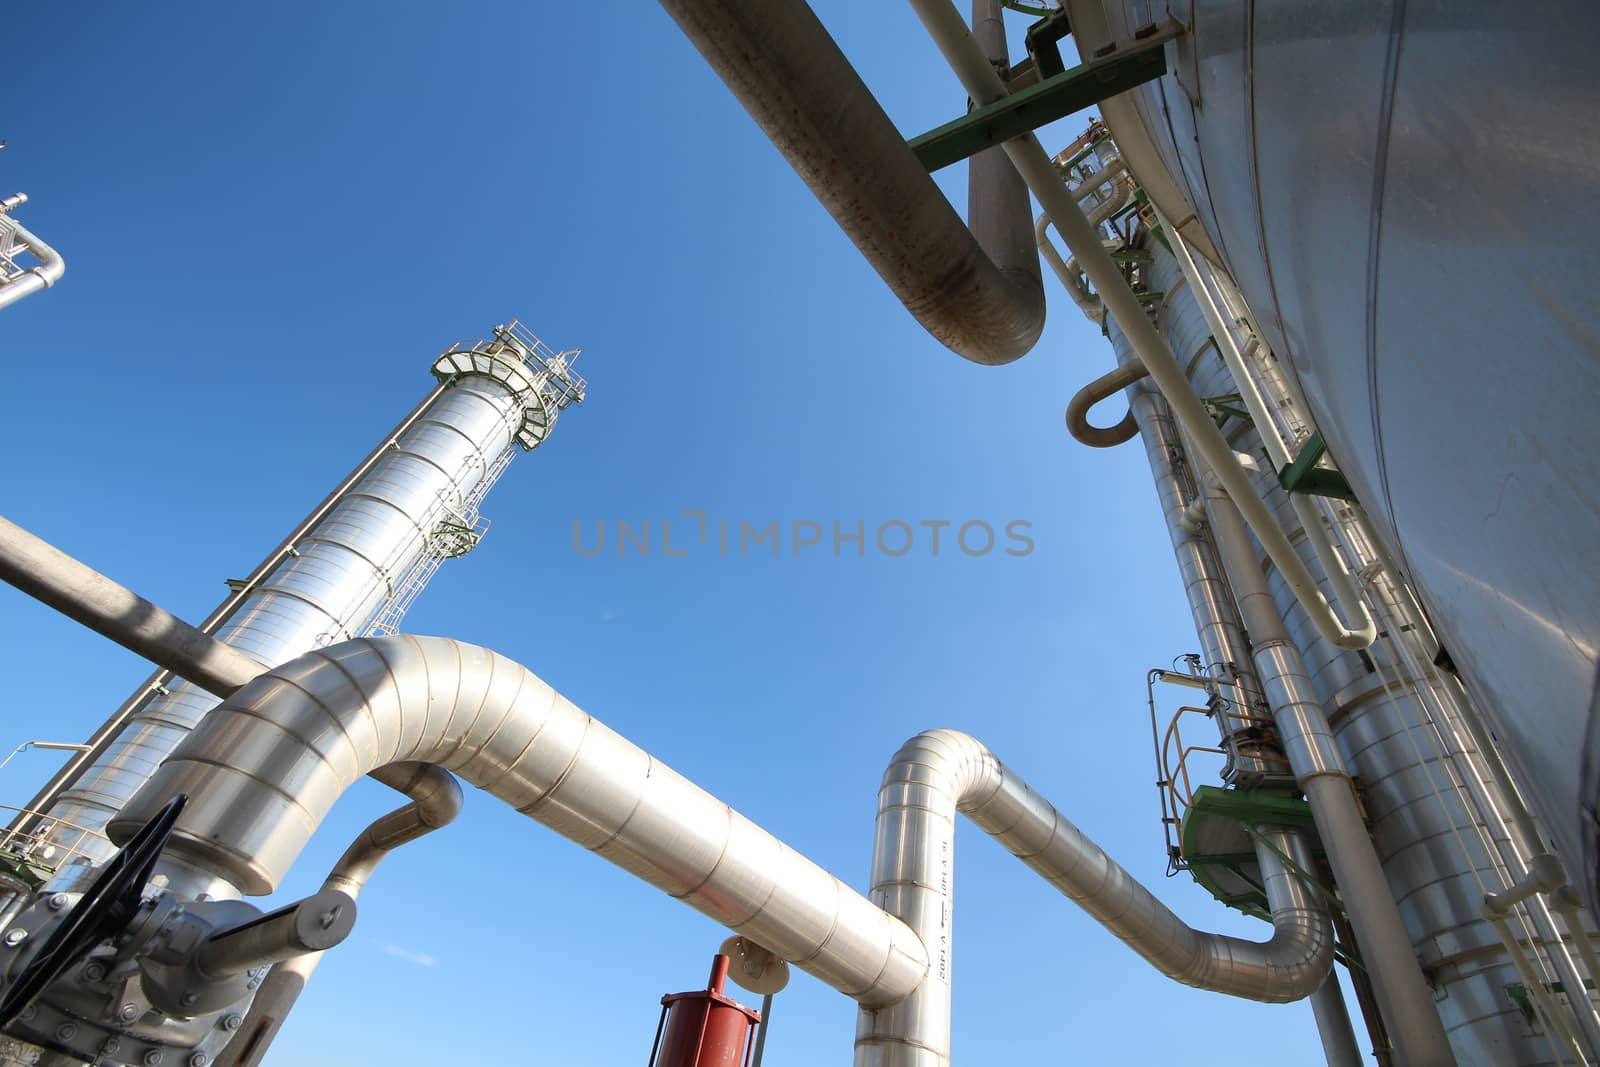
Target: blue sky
[274,218]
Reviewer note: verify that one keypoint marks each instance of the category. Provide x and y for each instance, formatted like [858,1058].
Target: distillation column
[356,569]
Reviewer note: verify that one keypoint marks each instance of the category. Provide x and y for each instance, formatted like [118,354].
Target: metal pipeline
[1403,995]
[85,595]
[103,737]
[1102,388]
[49,271]
[1344,586]
[940,772]
[781,64]
[435,802]
[949,33]
[264,767]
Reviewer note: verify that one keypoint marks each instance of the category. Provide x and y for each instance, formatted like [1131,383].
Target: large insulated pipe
[263,769]
[49,271]
[782,65]
[941,772]
[949,31]
[1403,995]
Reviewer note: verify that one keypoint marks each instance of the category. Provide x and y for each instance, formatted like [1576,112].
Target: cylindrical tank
[352,564]
[1405,230]
[705,1027]
[1429,841]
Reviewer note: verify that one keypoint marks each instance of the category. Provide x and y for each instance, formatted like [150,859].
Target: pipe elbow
[1102,388]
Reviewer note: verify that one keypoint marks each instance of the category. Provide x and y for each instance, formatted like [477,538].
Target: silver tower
[356,564]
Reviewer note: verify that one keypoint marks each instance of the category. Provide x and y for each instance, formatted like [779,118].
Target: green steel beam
[1123,67]
[1302,475]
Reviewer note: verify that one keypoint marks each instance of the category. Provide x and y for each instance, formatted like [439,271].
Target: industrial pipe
[949,32]
[81,593]
[781,64]
[435,802]
[49,271]
[107,732]
[1403,995]
[940,772]
[1103,387]
[1365,629]
[266,765]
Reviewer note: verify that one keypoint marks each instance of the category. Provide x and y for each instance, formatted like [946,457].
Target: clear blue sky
[275,216]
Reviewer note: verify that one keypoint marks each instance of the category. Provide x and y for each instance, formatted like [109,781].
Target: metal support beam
[1302,475]
[1122,67]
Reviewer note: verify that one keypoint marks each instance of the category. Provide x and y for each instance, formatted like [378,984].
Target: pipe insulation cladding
[940,772]
[264,768]
[335,579]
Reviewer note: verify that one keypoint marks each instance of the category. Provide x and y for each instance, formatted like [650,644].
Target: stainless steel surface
[779,61]
[336,577]
[314,924]
[85,595]
[1419,830]
[949,32]
[18,280]
[264,768]
[941,772]
[157,682]
[1339,1046]
[1352,168]
[435,802]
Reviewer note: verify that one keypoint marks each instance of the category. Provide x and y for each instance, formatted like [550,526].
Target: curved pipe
[1102,388]
[43,276]
[435,801]
[779,61]
[264,768]
[941,772]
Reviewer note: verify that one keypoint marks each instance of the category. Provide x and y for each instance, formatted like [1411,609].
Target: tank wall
[1403,227]
[1430,840]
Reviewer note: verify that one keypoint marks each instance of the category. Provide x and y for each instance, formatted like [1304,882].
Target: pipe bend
[1102,388]
[785,69]
[940,772]
[264,768]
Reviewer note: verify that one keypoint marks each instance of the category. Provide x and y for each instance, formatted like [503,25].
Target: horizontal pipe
[782,65]
[264,768]
[941,772]
[49,271]
[315,924]
[85,595]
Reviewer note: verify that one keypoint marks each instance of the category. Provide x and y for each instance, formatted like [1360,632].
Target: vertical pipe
[1403,995]
[1333,1024]
[999,212]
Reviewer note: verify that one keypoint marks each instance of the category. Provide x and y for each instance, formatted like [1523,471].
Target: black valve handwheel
[107,906]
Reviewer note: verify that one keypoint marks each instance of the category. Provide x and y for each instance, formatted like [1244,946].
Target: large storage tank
[1400,191]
